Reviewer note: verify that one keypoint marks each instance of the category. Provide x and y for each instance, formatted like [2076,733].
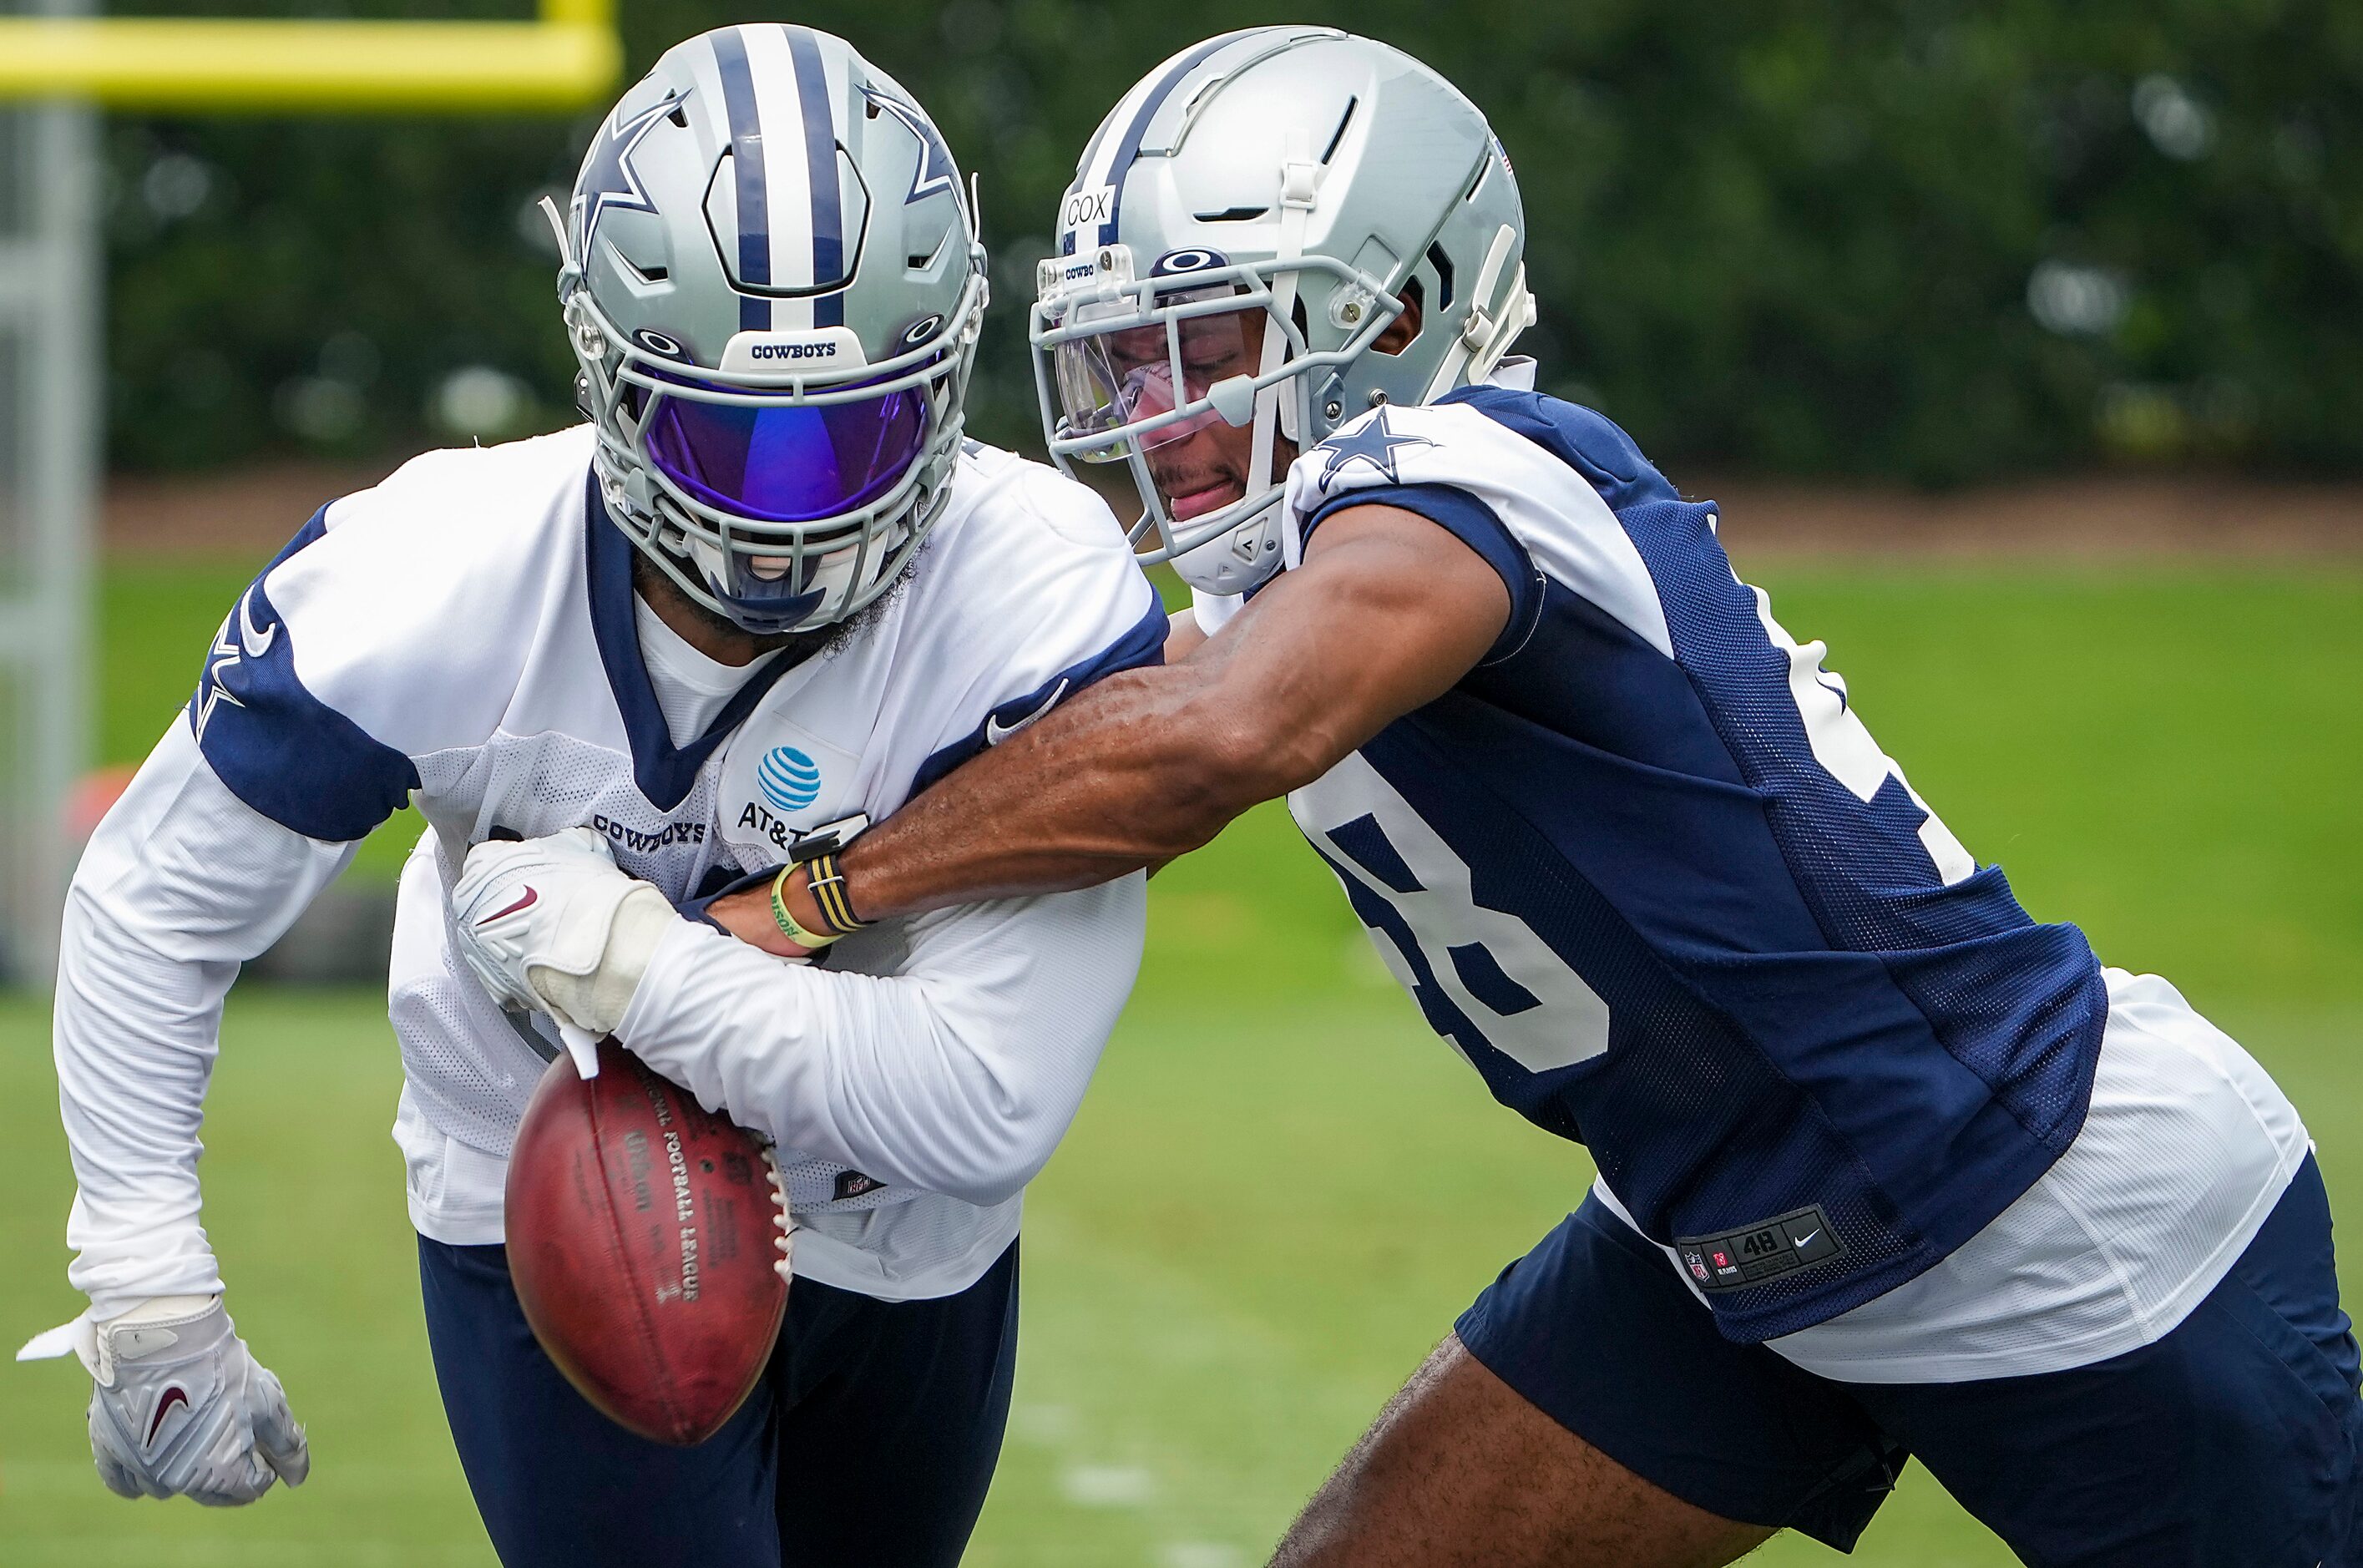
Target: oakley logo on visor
[1195,260]
[919,331]
[656,342]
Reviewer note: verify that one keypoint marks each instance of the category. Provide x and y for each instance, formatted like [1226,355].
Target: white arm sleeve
[958,1074]
[182,883]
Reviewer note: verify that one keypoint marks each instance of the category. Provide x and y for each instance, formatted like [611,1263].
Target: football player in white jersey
[1887,1167]
[769,588]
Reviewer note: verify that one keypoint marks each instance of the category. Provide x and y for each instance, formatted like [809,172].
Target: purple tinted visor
[787,463]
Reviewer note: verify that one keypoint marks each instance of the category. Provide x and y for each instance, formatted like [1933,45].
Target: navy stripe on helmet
[746,163]
[1129,148]
[820,167]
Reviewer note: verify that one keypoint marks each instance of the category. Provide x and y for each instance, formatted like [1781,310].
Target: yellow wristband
[790,926]
[825,883]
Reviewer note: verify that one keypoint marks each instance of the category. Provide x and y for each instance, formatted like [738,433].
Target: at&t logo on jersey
[789,779]
[783,784]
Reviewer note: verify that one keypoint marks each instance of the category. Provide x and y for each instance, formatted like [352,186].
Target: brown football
[642,1236]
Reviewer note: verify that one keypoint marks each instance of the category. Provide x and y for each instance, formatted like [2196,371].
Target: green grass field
[1281,1189]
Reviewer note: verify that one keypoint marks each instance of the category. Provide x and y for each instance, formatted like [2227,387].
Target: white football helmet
[1241,232]
[773,285]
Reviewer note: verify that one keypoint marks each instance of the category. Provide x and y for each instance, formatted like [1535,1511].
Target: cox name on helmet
[1087,208]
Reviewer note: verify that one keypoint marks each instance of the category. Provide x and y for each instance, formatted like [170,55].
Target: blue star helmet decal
[936,171]
[1373,444]
[609,180]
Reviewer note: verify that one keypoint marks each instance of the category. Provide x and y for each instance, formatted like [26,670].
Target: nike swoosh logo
[255,640]
[175,1395]
[995,732]
[524,902]
[1805,1238]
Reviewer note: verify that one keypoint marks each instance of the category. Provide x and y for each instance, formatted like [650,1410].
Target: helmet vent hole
[1443,265]
[918,262]
[1232,215]
[1339,134]
[679,116]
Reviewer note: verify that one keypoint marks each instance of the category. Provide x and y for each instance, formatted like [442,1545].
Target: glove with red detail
[553,926]
[179,1406]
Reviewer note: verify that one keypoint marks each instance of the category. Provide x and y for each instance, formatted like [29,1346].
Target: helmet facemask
[774,347]
[781,500]
[1317,179]
[1151,373]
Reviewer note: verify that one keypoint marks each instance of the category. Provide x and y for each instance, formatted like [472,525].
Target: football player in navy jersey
[1887,1167]
[768,588]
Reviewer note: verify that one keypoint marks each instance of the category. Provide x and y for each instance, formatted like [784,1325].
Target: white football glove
[179,1406]
[553,926]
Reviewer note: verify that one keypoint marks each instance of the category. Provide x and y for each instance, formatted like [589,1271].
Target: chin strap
[1276,405]
[1277,410]
[1484,338]
[1232,561]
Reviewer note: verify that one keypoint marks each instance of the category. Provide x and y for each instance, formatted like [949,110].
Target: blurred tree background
[1925,238]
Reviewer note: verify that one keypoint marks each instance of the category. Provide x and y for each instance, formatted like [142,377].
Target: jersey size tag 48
[1757,1252]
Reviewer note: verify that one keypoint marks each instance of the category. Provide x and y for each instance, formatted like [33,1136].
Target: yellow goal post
[60,67]
[562,60]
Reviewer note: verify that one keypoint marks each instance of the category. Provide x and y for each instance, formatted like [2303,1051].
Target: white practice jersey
[1646,869]
[463,637]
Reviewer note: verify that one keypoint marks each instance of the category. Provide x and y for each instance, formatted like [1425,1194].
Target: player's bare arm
[1182,635]
[1388,612]
[1635,853]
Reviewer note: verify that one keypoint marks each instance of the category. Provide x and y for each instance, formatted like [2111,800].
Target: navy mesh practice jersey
[1648,872]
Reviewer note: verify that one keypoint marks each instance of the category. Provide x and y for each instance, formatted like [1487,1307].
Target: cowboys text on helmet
[772,284]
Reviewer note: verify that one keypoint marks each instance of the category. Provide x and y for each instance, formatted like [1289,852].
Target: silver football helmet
[1241,232]
[773,283]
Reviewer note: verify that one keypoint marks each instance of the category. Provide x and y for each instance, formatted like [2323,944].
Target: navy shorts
[2237,1439]
[870,1439]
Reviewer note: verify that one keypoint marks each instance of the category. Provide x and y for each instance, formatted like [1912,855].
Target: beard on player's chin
[653,583]
[1194,477]
[1208,471]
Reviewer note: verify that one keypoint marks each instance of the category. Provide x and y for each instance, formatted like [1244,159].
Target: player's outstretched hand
[554,925]
[179,1406]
